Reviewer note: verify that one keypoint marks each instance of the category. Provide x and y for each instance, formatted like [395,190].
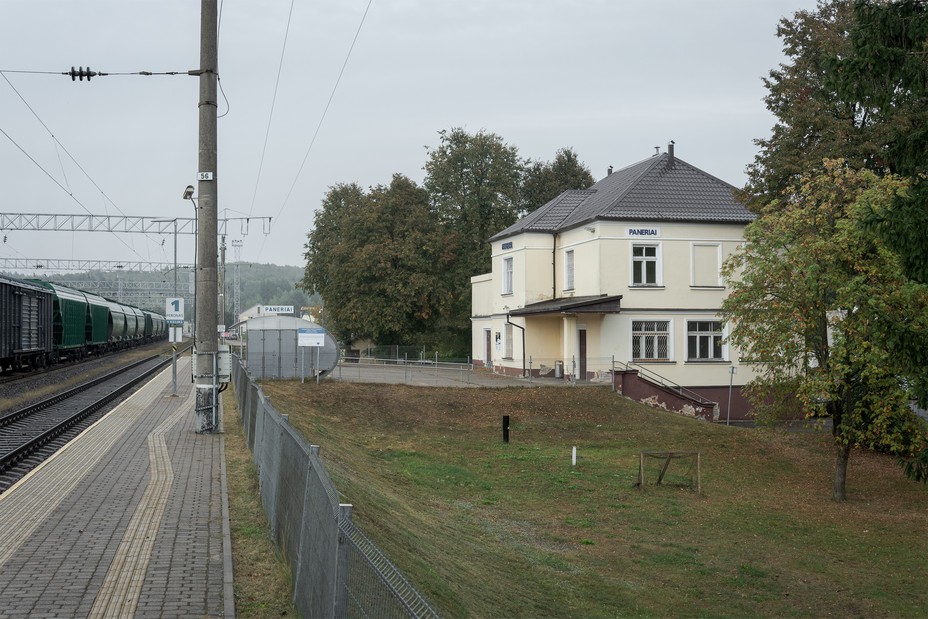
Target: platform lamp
[188,195]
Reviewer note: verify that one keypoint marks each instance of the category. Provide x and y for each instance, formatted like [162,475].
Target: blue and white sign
[310,336]
[645,232]
[278,309]
[174,311]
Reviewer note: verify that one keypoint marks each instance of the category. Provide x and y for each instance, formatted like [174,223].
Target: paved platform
[128,520]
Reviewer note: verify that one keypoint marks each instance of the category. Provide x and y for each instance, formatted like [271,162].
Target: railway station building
[620,281]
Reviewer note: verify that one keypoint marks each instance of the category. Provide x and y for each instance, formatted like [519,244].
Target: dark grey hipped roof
[660,188]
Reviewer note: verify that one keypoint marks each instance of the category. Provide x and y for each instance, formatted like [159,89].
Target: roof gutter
[554,266]
[509,322]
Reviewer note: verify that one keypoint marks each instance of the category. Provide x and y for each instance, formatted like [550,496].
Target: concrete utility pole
[206,338]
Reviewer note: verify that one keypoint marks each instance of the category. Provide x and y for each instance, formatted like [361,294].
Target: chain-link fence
[337,570]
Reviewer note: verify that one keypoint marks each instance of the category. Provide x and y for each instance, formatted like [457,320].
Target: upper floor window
[507,275]
[569,269]
[645,265]
[650,340]
[704,340]
[707,264]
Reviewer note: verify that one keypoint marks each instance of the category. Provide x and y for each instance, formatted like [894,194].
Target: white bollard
[573,457]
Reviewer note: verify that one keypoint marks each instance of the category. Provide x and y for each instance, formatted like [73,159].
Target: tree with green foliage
[886,73]
[820,304]
[394,264]
[474,183]
[544,181]
[813,121]
[376,259]
[330,248]
[855,87]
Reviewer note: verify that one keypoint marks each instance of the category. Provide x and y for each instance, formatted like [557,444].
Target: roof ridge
[632,183]
[652,189]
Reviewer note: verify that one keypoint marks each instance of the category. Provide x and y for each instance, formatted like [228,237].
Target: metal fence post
[341,565]
[613,373]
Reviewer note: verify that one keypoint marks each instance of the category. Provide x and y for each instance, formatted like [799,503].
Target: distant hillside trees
[266,284]
[393,264]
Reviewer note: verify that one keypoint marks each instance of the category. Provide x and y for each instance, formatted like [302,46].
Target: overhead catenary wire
[62,187]
[193,72]
[70,156]
[267,131]
[321,119]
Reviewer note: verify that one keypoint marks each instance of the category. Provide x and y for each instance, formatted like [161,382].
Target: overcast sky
[610,78]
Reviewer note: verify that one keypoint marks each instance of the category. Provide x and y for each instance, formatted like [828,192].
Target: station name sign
[507,245]
[277,309]
[644,232]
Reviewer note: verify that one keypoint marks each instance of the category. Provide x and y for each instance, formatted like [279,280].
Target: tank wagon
[25,324]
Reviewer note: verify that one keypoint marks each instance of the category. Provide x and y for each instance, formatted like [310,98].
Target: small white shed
[272,348]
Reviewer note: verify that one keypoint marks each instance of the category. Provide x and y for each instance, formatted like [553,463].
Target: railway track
[30,435]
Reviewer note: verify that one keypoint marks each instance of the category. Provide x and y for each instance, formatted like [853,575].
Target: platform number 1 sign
[174,311]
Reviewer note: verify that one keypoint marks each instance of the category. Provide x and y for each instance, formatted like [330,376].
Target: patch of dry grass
[262,580]
[484,528]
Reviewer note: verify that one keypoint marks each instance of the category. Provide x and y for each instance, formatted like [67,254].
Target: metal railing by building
[337,571]
[403,370]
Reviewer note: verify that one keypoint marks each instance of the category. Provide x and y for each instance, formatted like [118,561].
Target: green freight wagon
[70,321]
[25,324]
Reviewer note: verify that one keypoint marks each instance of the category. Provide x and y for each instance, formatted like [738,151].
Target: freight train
[42,323]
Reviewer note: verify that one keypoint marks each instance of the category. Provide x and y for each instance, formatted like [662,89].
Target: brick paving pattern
[76,534]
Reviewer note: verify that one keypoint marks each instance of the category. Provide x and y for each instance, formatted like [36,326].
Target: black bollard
[505,428]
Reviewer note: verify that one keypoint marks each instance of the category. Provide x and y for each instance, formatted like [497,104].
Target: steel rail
[9,460]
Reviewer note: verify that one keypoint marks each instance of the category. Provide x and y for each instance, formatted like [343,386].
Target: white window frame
[658,266]
[723,344]
[633,334]
[569,269]
[718,265]
[507,337]
[507,275]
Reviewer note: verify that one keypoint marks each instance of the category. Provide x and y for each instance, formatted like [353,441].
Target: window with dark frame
[644,265]
[704,340]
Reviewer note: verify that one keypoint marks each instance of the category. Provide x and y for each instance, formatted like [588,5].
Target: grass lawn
[488,529]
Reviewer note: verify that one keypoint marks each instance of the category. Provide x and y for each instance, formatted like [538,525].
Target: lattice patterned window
[650,340]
